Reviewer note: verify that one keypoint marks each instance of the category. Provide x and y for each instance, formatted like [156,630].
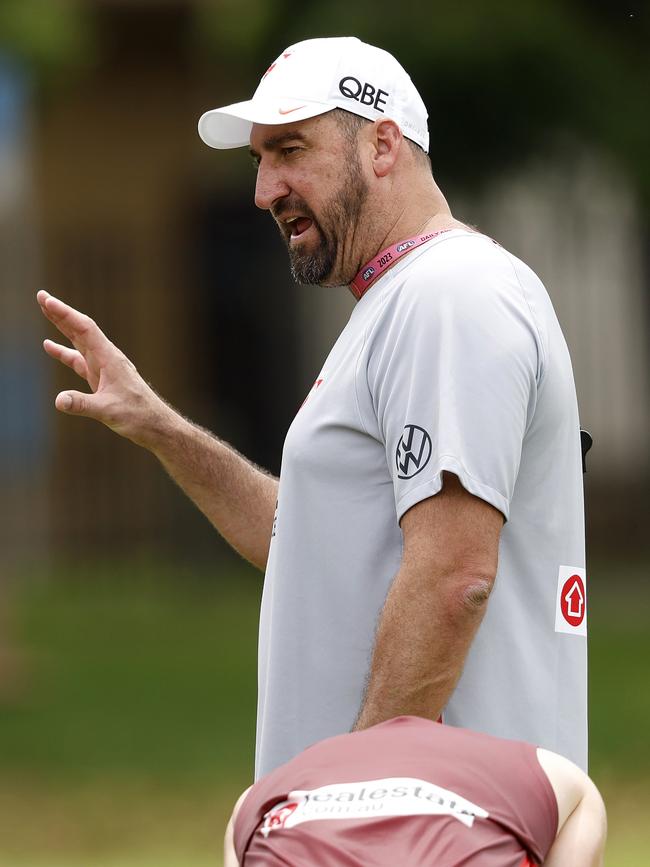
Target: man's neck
[387,258]
[421,213]
[408,226]
[431,216]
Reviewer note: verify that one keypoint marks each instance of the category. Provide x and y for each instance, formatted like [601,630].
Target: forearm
[237,497]
[424,633]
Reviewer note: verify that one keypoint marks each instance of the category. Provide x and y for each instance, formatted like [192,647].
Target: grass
[158,679]
[127,728]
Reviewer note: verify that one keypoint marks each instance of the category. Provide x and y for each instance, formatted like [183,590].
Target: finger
[70,357]
[69,321]
[42,296]
[75,403]
[80,329]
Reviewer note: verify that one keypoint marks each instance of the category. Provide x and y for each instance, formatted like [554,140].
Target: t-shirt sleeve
[453,375]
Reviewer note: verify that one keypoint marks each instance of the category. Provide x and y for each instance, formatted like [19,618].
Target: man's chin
[311,270]
[333,281]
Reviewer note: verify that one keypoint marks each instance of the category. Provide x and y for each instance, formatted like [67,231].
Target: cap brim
[230,126]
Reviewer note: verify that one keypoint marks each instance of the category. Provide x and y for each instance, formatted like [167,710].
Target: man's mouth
[298,226]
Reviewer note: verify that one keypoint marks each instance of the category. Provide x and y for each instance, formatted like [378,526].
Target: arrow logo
[575,601]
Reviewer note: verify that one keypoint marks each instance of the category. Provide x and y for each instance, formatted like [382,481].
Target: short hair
[351,124]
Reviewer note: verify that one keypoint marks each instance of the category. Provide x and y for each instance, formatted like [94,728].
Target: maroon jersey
[407,791]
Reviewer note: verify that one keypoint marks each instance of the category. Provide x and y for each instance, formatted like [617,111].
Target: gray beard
[339,219]
[312,268]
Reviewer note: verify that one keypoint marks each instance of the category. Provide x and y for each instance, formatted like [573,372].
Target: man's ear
[387,141]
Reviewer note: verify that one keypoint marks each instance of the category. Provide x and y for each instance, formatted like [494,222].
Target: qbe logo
[413,451]
[366,94]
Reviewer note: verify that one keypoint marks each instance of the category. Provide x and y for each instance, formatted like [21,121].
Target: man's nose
[269,187]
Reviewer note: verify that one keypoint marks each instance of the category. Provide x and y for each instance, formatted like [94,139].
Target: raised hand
[119,397]
[236,496]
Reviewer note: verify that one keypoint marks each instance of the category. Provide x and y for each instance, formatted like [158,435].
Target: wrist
[160,426]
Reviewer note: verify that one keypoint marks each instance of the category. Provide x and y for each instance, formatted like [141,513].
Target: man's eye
[289,150]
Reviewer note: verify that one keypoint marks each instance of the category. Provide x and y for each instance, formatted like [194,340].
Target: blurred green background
[127,629]
[127,726]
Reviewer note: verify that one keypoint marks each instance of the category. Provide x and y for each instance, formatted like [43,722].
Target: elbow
[463,592]
[475,592]
[465,602]
[466,595]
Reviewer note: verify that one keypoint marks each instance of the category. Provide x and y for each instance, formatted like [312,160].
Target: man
[410,791]
[445,409]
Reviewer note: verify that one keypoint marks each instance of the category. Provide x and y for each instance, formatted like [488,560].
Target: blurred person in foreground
[435,463]
[411,791]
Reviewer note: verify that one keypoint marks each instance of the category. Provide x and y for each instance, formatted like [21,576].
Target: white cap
[315,76]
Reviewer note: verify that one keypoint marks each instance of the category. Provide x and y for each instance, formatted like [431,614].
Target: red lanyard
[373,269]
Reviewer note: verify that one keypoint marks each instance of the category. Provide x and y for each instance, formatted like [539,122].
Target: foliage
[52,37]
[502,80]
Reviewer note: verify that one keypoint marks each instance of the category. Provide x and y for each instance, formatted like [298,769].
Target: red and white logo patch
[370,799]
[278,816]
[571,604]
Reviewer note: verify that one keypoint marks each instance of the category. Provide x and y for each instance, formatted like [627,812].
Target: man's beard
[338,221]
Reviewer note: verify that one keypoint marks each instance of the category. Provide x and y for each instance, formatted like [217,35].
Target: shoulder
[466,270]
[462,253]
[459,298]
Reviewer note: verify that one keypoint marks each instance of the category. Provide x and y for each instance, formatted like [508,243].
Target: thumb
[73,403]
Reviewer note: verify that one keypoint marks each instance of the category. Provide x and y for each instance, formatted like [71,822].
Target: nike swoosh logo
[289,110]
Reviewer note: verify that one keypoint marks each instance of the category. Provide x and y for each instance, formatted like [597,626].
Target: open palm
[119,397]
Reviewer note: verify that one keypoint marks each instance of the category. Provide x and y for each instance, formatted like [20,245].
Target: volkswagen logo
[413,451]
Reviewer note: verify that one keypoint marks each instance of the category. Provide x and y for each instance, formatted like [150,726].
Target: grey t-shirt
[452,361]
